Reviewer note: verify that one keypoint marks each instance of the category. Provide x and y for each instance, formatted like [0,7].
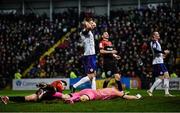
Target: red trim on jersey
[104,43]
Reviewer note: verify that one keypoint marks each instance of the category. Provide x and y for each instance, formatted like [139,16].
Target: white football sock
[93,83]
[166,85]
[156,83]
[83,80]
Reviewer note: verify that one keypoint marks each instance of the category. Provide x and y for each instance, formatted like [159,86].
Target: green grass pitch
[157,103]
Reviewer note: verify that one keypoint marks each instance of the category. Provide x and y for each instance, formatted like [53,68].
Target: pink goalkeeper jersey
[100,94]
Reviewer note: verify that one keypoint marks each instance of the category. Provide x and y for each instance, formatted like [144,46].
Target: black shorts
[47,93]
[110,67]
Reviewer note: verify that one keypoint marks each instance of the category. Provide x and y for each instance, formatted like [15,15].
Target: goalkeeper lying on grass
[90,94]
[45,92]
[84,95]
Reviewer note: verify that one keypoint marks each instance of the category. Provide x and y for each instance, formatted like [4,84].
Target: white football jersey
[157,57]
[88,43]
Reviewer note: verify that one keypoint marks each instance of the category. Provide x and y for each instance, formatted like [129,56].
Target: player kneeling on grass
[45,92]
[99,94]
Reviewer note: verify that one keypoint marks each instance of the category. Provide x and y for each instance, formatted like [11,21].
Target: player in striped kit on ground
[45,92]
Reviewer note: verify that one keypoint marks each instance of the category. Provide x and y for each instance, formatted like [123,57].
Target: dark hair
[65,83]
[88,19]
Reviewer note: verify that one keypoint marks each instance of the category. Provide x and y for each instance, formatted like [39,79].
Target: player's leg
[6,99]
[166,80]
[93,83]
[118,81]
[84,79]
[156,72]
[90,70]
[155,84]
[106,81]
[108,73]
[166,84]
[81,81]
[117,76]
[32,97]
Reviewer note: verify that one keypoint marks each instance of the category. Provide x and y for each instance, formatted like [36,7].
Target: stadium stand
[24,38]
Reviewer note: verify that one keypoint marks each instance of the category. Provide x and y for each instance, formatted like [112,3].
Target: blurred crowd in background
[24,38]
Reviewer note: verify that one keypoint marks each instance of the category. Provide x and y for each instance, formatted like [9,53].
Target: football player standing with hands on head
[89,56]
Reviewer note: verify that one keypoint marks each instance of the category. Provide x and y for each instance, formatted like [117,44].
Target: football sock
[166,85]
[93,83]
[17,98]
[119,85]
[83,80]
[105,84]
[156,83]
